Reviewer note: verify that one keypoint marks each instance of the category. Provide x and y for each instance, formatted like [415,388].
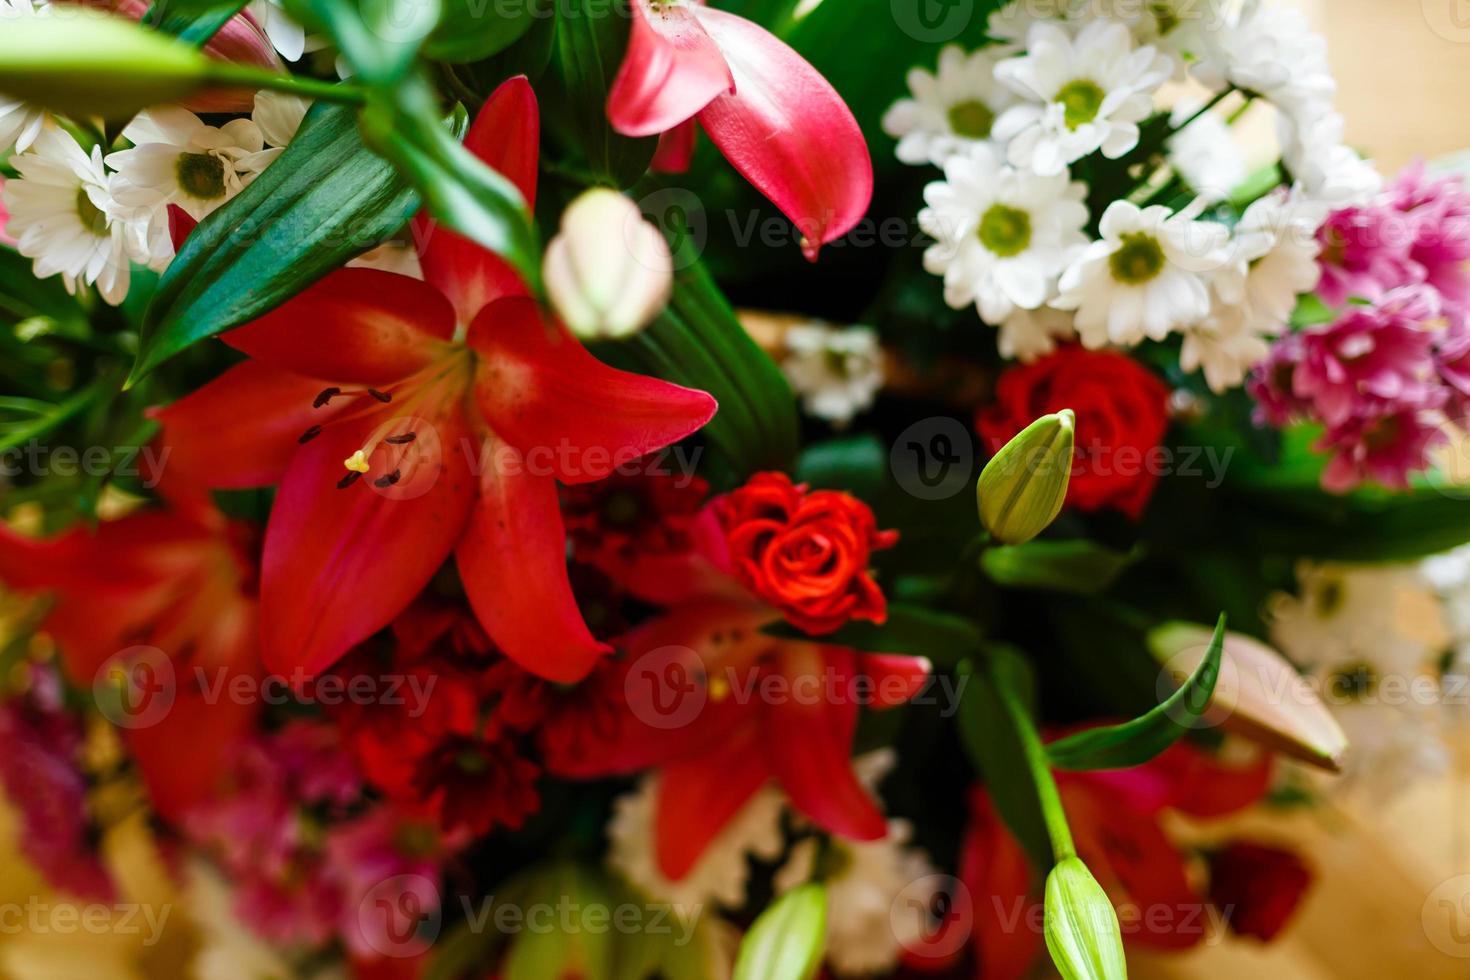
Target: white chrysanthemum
[1269,49]
[1384,617]
[1029,334]
[1146,276]
[285,35]
[64,216]
[721,871]
[1002,235]
[1326,170]
[877,897]
[20,122]
[836,370]
[278,116]
[1449,576]
[178,159]
[949,111]
[1081,93]
[1010,25]
[1273,259]
[1224,346]
[1205,153]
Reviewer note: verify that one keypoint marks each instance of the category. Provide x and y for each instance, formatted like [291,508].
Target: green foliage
[1078,566]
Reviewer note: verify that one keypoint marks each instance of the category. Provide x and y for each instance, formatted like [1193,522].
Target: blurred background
[1392,892]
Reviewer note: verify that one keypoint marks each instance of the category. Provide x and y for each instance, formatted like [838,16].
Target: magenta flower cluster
[1393,368]
[303,846]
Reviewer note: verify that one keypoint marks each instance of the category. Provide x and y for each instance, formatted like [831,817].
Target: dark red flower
[806,553]
[1257,887]
[1122,412]
[614,520]
[476,785]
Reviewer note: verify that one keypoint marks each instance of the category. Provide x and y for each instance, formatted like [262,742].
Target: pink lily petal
[671,71]
[675,149]
[788,132]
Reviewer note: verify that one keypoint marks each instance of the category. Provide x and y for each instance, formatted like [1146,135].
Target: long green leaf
[324,200]
[195,21]
[1135,742]
[1079,566]
[470,30]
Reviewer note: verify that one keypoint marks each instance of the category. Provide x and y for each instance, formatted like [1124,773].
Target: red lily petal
[340,564]
[672,70]
[788,132]
[569,414]
[180,225]
[696,798]
[243,428]
[896,678]
[809,742]
[359,326]
[513,563]
[1134,861]
[505,136]
[1002,887]
[675,149]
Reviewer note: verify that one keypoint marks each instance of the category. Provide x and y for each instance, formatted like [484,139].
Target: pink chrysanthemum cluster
[1385,377]
[305,849]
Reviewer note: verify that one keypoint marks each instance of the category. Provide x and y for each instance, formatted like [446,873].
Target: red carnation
[1257,887]
[805,553]
[1122,412]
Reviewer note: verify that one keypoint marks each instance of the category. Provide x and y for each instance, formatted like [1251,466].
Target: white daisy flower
[950,110]
[285,34]
[1002,235]
[1225,346]
[1080,94]
[20,122]
[1010,25]
[1030,334]
[278,116]
[1205,153]
[1270,50]
[1325,169]
[836,370]
[1146,276]
[1273,259]
[178,159]
[63,216]
[720,873]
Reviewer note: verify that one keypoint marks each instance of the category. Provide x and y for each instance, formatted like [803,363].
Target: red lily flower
[722,707]
[1115,818]
[164,597]
[454,407]
[777,121]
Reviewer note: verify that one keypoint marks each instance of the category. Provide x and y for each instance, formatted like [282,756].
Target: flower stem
[1052,811]
[249,76]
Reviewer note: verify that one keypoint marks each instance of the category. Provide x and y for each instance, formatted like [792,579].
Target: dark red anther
[327,395]
[402,440]
[387,481]
[381,396]
[309,434]
[348,480]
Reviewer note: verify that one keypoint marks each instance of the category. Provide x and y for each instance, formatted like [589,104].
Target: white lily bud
[608,272]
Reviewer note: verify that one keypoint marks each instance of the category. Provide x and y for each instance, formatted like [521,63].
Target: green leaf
[379,39]
[909,629]
[698,342]
[1079,566]
[590,41]
[194,21]
[470,30]
[324,200]
[998,749]
[1135,742]
[786,940]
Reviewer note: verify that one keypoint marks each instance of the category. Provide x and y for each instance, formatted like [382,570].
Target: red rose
[1122,412]
[805,553]
[1257,887]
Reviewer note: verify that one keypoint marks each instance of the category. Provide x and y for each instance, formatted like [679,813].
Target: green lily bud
[608,272]
[81,63]
[1081,927]
[787,940]
[1021,490]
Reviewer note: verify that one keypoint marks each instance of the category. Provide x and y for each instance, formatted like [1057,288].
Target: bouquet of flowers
[650,489]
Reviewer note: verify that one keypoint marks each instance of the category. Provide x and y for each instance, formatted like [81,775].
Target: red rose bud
[1022,488]
[1122,412]
[1257,887]
[805,553]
